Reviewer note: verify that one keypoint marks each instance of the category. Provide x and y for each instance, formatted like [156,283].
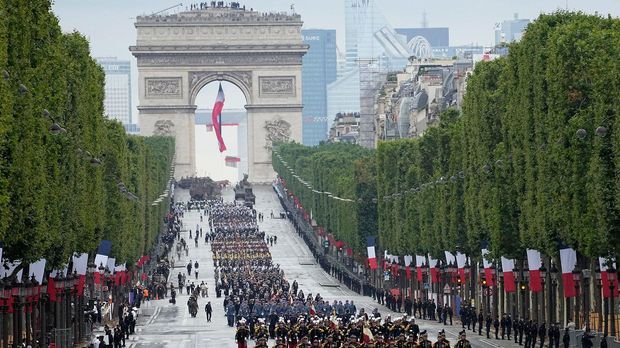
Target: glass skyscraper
[117,101]
[318,70]
[369,40]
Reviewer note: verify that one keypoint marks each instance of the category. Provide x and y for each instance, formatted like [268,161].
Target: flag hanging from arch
[216,118]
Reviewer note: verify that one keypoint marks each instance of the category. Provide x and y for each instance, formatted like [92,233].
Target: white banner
[37,269]
[80,263]
[111,264]
[101,260]
[460,260]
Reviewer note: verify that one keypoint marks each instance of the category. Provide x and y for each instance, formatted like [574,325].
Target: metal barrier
[63,338]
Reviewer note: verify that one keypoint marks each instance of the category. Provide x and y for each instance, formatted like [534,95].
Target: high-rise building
[318,70]
[117,101]
[510,30]
[369,39]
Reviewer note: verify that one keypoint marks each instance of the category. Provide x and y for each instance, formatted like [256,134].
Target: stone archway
[259,53]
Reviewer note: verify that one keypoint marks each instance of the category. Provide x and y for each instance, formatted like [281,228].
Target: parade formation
[263,304]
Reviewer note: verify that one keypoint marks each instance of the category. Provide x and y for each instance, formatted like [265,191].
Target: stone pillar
[268,124]
[177,121]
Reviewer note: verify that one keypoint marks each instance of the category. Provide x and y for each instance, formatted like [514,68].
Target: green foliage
[346,171]
[510,169]
[529,182]
[52,200]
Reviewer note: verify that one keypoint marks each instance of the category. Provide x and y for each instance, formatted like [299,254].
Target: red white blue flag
[534,262]
[568,261]
[216,118]
[372,256]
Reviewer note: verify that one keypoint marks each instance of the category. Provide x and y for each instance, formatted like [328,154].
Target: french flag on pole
[461,260]
[432,264]
[534,262]
[216,118]
[488,271]
[508,267]
[419,261]
[372,256]
[604,264]
[568,260]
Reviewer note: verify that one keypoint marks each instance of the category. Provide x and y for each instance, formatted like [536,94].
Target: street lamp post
[599,302]
[611,277]
[43,299]
[425,272]
[543,278]
[554,282]
[586,295]
[576,280]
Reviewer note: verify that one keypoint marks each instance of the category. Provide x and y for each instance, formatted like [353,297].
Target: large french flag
[568,261]
[419,261]
[216,118]
[461,259]
[534,262]
[603,263]
[432,264]
[488,270]
[508,267]
[372,256]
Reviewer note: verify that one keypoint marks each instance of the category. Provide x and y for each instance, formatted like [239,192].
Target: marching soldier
[442,342]
[488,325]
[463,342]
[424,342]
[241,337]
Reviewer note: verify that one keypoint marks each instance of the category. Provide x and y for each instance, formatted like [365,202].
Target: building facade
[510,30]
[319,69]
[117,101]
[371,44]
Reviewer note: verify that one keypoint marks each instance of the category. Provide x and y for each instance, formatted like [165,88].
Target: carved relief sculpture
[277,131]
[277,86]
[163,88]
[244,76]
[164,127]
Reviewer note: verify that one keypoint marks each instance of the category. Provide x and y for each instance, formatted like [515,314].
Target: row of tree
[65,169]
[531,162]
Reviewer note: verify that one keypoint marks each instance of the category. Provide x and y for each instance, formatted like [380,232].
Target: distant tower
[424,21]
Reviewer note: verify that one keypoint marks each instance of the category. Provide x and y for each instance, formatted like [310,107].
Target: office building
[318,70]
[510,30]
[117,101]
[369,40]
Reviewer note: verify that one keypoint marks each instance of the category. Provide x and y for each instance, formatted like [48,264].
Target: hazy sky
[109,24]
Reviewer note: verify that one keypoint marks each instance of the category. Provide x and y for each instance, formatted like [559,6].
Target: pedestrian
[208,311]
[566,338]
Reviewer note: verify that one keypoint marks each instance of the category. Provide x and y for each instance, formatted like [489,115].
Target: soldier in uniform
[488,325]
[280,330]
[442,342]
[480,322]
[279,343]
[261,343]
[291,337]
[241,337]
[462,342]
[424,342]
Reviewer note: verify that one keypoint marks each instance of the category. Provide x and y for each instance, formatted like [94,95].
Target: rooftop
[218,13]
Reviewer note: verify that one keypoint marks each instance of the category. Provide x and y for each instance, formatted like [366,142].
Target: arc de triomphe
[260,53]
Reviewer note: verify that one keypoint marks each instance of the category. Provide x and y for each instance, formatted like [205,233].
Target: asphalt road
[162,324]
